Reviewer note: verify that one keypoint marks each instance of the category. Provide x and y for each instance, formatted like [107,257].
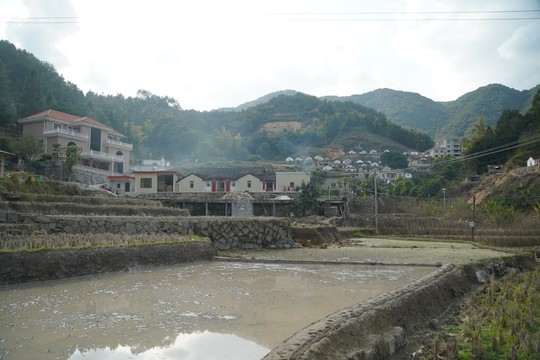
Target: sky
[209,54]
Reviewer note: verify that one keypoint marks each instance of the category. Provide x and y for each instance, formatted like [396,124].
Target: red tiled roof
[120,177]
[155,172]
[68,117]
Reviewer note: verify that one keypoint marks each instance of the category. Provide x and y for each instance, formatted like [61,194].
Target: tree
[8,111]
[307,200]
[30,146]
[73,156]
[394,160]
[32,99]
[6,144]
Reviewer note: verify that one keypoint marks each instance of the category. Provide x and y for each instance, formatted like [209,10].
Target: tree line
[158,126]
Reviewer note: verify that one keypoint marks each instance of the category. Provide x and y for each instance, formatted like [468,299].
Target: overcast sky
[209,54]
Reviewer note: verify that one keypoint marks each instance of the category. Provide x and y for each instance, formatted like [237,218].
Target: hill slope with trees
[158,126]
[445,119]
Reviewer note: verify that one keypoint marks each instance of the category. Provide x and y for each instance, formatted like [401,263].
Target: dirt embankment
[378,328]
[22,266]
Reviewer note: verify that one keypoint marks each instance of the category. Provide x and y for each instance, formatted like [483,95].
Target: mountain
[405,108]
[273,127]
[442,119]
[261,100]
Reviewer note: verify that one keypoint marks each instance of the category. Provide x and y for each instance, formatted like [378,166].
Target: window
[57,127]
[191,184]
[249,184]
[291,184]
[118,186]
[146,183]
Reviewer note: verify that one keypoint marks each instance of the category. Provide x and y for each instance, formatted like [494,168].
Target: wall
[225,233]
[139,176]
[183,184]
[242,183]
[356,332]
[284,179]
[53,264]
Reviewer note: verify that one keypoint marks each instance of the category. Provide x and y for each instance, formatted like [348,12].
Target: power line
[509,15]
[505,147]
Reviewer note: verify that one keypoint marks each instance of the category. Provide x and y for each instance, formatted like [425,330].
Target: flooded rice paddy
[207,310]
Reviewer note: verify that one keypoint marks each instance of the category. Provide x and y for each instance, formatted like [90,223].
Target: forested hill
[440,119]
[286,125]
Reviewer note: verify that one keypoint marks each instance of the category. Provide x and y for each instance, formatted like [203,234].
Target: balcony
[101,155]
[120,144]
[70,133]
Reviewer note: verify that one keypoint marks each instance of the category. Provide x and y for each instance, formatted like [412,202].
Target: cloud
[214,54]
[44,40]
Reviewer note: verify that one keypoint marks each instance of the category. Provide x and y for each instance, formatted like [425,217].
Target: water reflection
[194,346]
[144,310]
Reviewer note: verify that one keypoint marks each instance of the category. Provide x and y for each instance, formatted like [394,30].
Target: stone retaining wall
[88,209]
[225,233]
[377,328]
[24,266]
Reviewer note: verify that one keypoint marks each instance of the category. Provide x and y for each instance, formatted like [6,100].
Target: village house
[256,180]
[389,175]
[102,147]
[445,147]
[155,181]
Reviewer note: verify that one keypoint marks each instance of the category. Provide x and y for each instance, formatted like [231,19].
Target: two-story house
[102,146]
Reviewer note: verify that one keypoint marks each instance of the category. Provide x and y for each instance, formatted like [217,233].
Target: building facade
[445,147]
[102,147]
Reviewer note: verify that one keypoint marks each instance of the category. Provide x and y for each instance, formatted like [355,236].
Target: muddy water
[209,310]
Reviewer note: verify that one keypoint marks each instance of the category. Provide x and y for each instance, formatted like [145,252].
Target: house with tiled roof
[103,148]
[255,179]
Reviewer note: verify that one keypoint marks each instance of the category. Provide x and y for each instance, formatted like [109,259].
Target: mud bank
[377,328]
[25,266]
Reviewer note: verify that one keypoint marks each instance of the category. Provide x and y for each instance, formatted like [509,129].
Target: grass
[500,322]
[39,241]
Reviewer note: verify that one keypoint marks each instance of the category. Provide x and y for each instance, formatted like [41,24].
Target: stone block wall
[225,233]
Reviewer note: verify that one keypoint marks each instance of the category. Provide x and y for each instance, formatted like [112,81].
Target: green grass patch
[41,242]
[501,321]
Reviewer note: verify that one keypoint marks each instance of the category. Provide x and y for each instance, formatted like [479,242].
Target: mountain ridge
[435,118]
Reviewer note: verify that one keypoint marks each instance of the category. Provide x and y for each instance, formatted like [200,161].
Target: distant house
[327,168]
[532,162]
[445,147]
[289,159]
[390,175]
[422,164]
[373,152]
[102,146]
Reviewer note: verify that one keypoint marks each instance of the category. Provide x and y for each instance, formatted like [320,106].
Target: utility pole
[473,213]
[376,206]
[444,196]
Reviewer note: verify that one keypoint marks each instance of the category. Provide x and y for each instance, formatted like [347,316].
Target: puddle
[182,312]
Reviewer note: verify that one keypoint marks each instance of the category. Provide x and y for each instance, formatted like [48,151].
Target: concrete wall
[225,233]
[198,184]
[284,180]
